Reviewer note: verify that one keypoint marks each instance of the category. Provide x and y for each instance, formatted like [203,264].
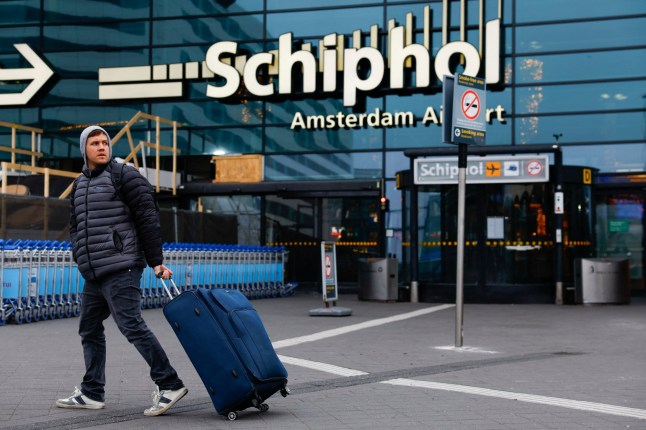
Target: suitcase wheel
[285,391]
[232,416]
[264,407]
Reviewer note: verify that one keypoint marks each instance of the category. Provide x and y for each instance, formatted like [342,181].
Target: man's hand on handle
[163,272]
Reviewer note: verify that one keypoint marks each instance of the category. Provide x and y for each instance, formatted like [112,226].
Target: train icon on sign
[511,168]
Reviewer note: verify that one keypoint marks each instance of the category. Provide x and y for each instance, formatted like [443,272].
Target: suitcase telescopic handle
[170,295]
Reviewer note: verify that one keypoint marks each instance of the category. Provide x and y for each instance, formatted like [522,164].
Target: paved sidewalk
[385,367]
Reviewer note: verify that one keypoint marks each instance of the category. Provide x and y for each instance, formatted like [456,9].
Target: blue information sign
[464,99]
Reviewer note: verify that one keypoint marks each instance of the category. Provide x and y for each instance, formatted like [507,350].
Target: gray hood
[83,140]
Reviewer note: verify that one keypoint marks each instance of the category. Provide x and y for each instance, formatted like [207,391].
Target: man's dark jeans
[119,295]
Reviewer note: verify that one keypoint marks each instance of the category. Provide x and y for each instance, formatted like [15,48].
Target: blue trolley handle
[170,295]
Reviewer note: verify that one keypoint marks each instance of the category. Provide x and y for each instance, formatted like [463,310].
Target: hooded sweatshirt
[113,230]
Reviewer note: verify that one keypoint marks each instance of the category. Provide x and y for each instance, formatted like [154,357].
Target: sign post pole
[459,277]
[464,124]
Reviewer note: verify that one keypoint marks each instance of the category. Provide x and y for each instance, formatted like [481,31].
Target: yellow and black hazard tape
[503,243]
[306,243]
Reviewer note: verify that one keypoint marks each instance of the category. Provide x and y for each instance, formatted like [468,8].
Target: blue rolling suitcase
[227,343]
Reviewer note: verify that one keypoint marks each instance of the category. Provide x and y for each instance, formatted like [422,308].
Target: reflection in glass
[548,10]
[121,34]
[283,139]
[210,113]
[608,158]
[72,91]
[322,22]
[620,230]
[283,112]
[290,4]
[75,117]
[20,11]
[305,167]
[580,97]
[580,128]
[205,30]
[422,136]
[246,209]
[9,36]
[226,141]
[67,11]
[581,35]
[200,7]
[91,61]
[581,66]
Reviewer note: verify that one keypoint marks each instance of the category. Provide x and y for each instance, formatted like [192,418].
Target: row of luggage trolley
[40,279]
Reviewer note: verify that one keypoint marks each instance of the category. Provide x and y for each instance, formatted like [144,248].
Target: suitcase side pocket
[255,343]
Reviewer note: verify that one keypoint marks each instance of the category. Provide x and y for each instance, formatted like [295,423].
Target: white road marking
[323,367]
[466,349]
[530,398]
[348,329]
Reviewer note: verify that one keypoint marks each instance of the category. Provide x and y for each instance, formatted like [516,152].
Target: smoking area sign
[464,99]
[482,170]
[328,269]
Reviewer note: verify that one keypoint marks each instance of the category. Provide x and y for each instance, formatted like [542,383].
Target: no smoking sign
[465,103]
[534,168]
[470,104]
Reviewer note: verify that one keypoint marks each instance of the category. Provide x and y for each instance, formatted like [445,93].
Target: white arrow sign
[39,74]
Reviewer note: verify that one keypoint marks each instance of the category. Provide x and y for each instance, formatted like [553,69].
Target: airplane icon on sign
[493,168]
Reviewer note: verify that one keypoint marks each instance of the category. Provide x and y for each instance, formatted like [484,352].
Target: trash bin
[378,279]
[601,280]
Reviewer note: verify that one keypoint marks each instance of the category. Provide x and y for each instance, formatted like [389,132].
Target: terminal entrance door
[299,216]
[509,243]
[300,223]
[509,240]
[620,230]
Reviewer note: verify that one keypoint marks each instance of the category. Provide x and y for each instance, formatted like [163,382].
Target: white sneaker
[163,400]
[78,400]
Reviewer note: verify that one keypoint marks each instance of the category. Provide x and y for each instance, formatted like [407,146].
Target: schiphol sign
[353,62]
[355,71]
[329,70]
[482,170]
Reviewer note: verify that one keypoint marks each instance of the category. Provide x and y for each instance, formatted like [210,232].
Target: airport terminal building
[334,104]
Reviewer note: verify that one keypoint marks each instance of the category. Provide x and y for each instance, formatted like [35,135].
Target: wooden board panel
[238,168]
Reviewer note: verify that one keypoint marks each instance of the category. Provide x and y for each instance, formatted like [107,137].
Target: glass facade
[571,73]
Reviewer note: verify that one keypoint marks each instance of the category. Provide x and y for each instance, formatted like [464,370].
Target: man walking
[115,232]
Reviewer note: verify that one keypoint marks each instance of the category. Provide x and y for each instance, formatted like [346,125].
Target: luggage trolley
[266,273]
[74,281]
[7,283]
[3,305]
[35,295]
[66,298]
[40,279]
[12,283]
[59,267]
[211,271]
[45,277]
[219,274]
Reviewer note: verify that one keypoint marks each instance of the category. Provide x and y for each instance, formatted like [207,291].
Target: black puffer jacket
[110,230]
